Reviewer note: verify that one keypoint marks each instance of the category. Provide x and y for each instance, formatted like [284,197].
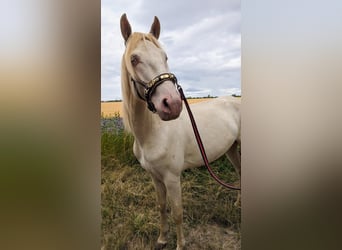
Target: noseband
[151,86]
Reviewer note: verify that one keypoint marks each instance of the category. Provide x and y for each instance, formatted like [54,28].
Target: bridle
[151,86]
[149,89]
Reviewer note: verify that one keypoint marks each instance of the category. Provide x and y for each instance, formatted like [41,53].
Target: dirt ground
[203,237]
[214,237]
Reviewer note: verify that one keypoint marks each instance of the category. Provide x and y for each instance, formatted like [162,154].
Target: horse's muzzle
[169,107]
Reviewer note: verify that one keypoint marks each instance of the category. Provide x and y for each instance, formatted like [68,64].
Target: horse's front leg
[174,192]
[161,199]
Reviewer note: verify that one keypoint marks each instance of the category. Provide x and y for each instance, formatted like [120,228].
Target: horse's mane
[128,94]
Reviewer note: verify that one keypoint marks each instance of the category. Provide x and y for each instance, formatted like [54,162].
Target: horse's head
[146,63]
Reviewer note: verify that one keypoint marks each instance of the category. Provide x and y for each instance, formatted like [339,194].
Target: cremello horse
[164,141]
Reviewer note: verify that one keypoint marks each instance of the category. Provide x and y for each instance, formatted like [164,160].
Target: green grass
[130,219]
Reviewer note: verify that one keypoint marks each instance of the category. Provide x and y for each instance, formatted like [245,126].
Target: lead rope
[200,144]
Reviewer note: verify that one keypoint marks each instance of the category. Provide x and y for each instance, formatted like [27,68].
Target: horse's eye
[134,60]
[166,58]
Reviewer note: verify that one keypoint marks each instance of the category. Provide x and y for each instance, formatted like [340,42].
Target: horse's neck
[140,120]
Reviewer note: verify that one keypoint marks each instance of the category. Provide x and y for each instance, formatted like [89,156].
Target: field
[130,217]
[109,109]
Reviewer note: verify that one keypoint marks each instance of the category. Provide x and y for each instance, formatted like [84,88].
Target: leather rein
[150,87]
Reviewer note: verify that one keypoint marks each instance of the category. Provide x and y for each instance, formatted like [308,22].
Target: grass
[130,219]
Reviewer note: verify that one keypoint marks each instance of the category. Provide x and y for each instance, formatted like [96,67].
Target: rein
[150,87]
[200,144]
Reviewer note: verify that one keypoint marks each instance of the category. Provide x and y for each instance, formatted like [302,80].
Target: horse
[164,143]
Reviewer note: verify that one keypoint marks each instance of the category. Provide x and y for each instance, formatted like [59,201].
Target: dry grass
[130,217]
[109,109]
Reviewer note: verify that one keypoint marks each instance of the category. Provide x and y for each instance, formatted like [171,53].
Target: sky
[201,38]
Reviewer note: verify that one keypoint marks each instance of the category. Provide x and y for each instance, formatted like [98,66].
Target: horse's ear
[155,28]
[125,27]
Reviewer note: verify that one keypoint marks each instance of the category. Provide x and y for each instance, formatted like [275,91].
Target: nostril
[165,102]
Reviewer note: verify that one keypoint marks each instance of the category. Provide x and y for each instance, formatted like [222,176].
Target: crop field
[109,109]
[130,217]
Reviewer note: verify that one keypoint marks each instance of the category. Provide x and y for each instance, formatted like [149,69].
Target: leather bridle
[151,86]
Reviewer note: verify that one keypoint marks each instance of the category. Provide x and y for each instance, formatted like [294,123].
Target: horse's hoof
[160,246]
[181,246]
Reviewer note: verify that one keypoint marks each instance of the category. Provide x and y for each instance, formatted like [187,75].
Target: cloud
[202,40]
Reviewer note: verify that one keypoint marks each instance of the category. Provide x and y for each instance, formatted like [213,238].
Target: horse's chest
[158,158]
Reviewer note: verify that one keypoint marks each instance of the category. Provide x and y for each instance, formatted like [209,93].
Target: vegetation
[204,97]
[130,218]
[117,100]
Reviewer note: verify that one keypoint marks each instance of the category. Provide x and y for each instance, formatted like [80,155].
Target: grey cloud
[176,14]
